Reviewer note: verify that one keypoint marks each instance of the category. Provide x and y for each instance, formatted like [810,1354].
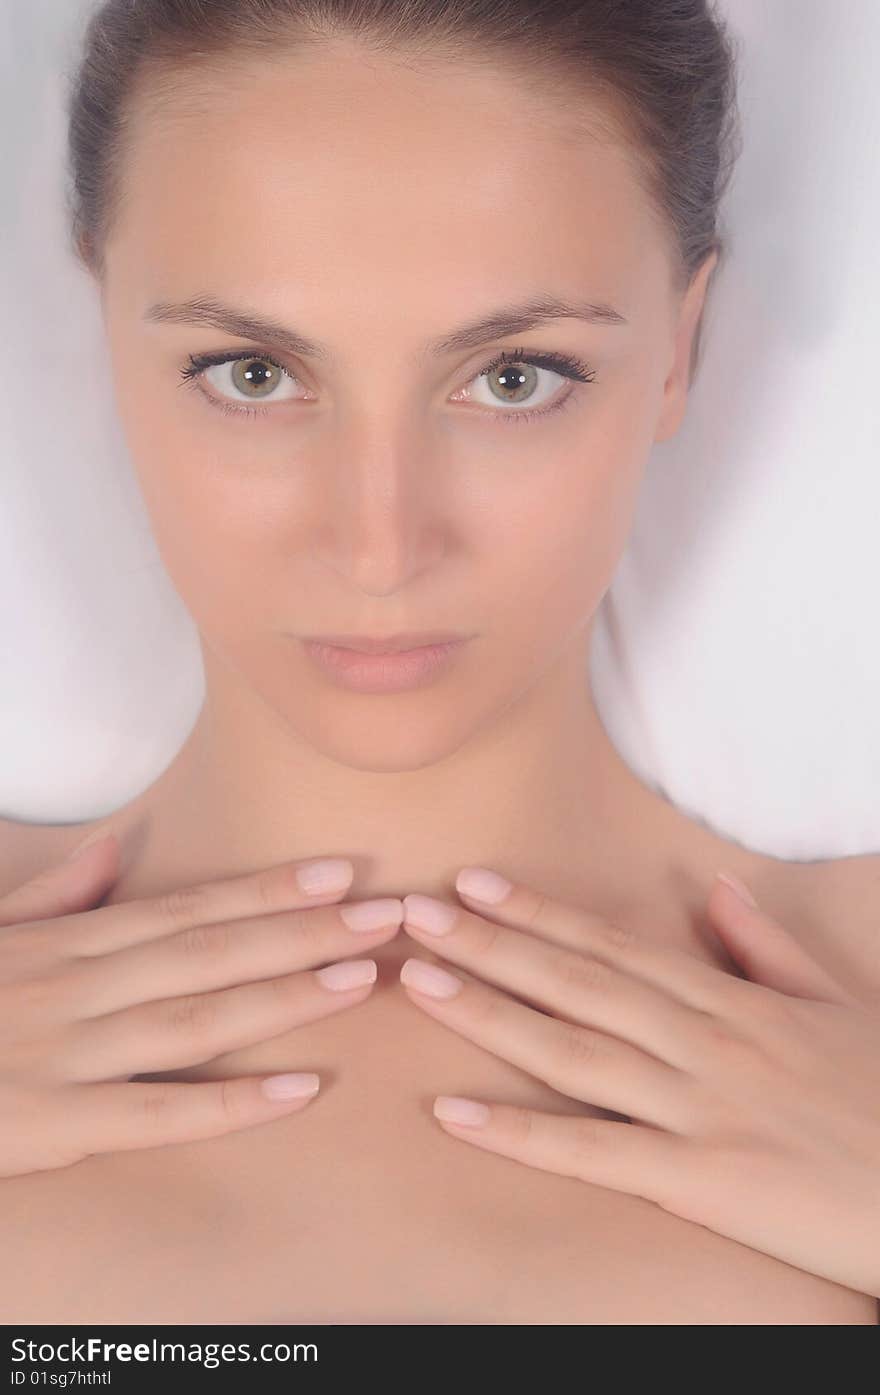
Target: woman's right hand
[90,998]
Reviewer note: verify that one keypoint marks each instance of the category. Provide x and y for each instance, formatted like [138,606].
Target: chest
[361,1209]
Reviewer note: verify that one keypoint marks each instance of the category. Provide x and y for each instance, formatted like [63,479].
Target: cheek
[210,528]
[193,481]
[557,558]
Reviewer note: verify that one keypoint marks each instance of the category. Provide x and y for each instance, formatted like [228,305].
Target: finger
[768,953]
[195,1028]
[206,903]
[624,1157]
[65,887]
[686,978]
[577,1061]
[569,983]
[112,1118]
[206,957]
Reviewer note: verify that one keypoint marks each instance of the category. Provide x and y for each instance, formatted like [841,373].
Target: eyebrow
[509,319]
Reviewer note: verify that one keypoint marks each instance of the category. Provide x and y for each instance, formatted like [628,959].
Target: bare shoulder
[841,916]
[27,848]
[848,889]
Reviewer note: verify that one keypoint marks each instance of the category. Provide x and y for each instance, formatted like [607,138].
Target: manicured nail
[427,914]
[372,915]
[350,973]
[482,884]
[739,887]
[430,979]
[324,874]
[291,1086]
[455,1109]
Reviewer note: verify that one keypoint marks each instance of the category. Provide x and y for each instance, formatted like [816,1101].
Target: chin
[390,734]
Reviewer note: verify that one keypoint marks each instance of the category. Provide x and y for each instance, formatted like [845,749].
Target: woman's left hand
[754,1105]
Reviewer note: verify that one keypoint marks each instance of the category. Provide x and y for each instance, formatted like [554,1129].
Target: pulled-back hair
[664,72]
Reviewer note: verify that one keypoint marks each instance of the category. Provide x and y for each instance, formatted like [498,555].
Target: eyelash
[565,364]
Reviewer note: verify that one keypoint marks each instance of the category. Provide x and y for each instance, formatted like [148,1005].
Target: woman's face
[380,483]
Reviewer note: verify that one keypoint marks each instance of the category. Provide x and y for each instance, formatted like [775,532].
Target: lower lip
[382,673]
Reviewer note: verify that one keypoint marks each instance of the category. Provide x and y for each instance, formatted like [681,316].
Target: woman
[443,277]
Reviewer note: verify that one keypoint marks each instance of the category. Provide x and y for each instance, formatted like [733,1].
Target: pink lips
[387,672]
[386,644]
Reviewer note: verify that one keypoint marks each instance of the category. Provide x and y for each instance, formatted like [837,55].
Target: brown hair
[665,71]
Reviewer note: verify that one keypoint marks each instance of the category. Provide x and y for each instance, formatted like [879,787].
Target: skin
[381,504]
[392,501]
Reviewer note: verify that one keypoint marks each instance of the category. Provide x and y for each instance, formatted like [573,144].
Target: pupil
[515,381]
[257,373]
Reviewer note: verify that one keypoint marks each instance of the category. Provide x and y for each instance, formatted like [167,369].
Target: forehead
[362,182]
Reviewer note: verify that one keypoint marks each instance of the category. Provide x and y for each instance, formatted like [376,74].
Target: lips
[385,672]
[388,644]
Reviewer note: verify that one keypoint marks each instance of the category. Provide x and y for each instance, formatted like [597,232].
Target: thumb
[77,883]
[769,954]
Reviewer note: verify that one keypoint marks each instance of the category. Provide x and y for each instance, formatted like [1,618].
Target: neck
[540,795]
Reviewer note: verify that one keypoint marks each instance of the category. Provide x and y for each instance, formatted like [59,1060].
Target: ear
[677,385]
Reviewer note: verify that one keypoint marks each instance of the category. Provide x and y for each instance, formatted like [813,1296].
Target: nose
[383,518]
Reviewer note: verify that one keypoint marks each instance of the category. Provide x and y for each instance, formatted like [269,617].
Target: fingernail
[324,874]
[430,979]
[739,887]
[290,1086]
[350,973]
[372,915]
[482,884]
[427,914]
[455,1109]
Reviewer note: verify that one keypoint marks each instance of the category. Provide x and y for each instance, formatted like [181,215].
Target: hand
[753,1108]
[89,997]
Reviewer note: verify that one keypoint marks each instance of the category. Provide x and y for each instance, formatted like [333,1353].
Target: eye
[514,378]
[256,376]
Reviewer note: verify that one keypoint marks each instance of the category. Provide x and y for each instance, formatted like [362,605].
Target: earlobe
[687,343]
[675,391]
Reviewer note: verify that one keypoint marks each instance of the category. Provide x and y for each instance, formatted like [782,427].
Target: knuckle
[29,946]
[313,928]
[537,912]
[39,996]
[582,974]
[182,904]
[485,1008]
[230,1101]
[285,988]
[578,1046]
[485,936]
[266,887]
[520,1122]
[587,1134]
[199,941]
[620,937]
[153,1104]
[304,922]
[194,1015]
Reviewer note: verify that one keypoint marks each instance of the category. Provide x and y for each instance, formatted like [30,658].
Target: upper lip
[386,644]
